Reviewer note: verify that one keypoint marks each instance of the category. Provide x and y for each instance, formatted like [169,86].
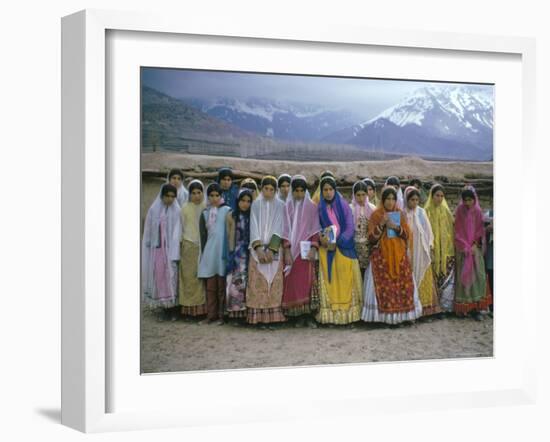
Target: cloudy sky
[366,97]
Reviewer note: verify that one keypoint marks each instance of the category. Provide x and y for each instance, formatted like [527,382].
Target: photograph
[304,220]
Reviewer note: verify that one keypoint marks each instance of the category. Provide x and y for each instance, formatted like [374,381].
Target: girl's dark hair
[283,179]
[370,183]
[386,192]
[436,188]
[167,188]
[467,193]
[360,185]
[175,172]
[393,181]
[237,212]
[299,183]
[328,180]
[416,181]
[411,193]
[327,173]
[249,186]
[195,185]
[214,187]
[224,172]
[269,180]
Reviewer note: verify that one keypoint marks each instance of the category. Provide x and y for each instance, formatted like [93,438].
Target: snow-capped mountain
[277,119]
[438,121]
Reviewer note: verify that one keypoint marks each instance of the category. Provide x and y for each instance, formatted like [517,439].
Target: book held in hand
[395,217]
[274,243]
[330,232]
[305,247]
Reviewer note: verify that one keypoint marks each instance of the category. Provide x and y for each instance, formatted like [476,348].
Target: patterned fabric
[314,300]
[477,296]
[262,299]
[294,312]
[446,285]
[230,196]
[361,242]
[341,299]
[427,292]
[237,314]
[265,315]
[195,310]
[371,312]
[393,295]
[442,223]
[237,278]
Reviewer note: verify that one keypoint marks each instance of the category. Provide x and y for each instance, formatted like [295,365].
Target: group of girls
[262,255]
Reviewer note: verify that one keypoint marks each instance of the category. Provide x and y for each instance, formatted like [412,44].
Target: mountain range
[434,121]
[277,119]
[437,121]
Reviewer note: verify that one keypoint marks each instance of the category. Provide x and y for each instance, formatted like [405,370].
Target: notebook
[395,217]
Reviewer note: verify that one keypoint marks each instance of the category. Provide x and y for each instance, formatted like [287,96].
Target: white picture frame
[85,234]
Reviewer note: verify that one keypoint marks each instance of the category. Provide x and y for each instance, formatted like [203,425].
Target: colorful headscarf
[469,228]
[301,219]
[345,238]
[393,249]
[317,194]
[442,222]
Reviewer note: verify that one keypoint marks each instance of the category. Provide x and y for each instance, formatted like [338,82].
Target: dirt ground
[184,345]
[348,170]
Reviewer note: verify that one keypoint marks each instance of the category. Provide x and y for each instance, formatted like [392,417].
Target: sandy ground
[184,345]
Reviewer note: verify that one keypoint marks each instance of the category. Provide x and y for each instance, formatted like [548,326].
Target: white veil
[151,240]
[266,220]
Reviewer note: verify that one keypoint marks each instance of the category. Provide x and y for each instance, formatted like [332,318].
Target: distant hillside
[276,119]
[170,124]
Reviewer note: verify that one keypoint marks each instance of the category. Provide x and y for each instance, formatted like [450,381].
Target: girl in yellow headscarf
[443,262]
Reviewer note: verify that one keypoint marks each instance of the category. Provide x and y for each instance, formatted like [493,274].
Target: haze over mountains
[441,121]
[436,121]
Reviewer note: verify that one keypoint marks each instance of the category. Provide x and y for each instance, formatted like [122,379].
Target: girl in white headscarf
[161,250]
[283,187]
[420,252]
[396,184]
[265,273]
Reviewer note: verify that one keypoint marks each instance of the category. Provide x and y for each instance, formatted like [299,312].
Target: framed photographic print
[283,210]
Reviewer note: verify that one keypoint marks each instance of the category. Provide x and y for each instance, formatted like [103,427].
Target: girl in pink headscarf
[301,229]
[472,293]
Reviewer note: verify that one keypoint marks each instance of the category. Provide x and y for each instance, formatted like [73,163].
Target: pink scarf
[468,228]
[300,223]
